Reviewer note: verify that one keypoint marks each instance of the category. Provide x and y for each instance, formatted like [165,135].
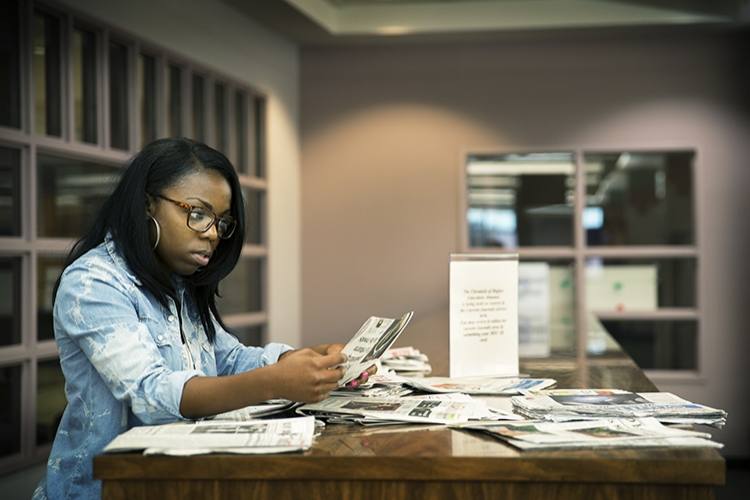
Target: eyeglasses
[201,219]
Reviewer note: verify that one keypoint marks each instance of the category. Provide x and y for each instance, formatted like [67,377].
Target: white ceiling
[347,21]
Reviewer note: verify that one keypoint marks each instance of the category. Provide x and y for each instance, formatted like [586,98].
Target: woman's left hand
[336,348]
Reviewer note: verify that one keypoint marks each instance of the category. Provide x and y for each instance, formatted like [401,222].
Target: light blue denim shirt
[124,363]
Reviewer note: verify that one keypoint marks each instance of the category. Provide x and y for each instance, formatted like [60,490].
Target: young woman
[136,324]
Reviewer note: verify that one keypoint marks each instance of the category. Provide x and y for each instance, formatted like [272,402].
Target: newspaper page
[216,436]
[401,410]
[567,404]
[599,433]
[264,409]
[385,385]
[487,386]
[407,361]
[370,343]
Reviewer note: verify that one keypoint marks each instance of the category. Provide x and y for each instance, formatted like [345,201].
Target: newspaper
[264,409]
[599,433]
[575,404]
[380,385]
[440,409]
[216,436]
[370,343]
[406,361]
[487,386]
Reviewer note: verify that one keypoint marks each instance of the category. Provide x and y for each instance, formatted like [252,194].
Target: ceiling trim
[481,16]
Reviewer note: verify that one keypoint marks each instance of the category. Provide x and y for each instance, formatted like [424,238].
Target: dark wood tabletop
[433,462]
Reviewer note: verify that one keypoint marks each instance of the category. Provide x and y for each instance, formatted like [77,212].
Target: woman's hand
[308,375]
[336,348]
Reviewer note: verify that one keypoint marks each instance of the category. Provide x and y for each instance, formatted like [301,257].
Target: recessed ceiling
[337,21]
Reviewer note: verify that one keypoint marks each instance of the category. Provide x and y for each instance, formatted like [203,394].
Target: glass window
[199,109]
[47,75]
[173,91]
[50,400]
[640,284]
[658,344]
[240,131]
[220,117]
[84,85]
[10,301]
[10,197]
[242,290]
[10,65]
[119,123]
[546,308]
[255,211]
[70,194]
[147,93]
[10,410]
[639,198]
[259,138]
[48,270]
[520,200]
[88,104]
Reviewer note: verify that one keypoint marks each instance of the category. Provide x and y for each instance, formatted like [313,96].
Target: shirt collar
[109,244]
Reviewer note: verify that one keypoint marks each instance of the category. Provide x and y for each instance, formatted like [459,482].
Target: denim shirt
[124,363]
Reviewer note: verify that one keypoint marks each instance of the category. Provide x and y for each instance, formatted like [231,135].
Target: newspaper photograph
[566,404]
[369,344]
[216,436]
[487,386]
[406,409]
[599,433]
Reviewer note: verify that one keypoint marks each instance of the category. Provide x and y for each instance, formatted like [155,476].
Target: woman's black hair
[158,166]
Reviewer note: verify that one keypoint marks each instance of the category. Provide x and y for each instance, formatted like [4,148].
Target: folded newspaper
[385,384]
[598,433]
[370,343]
[406,361]
[391,384]
[217,436]
[487,386]
[576,404]
[263,409]
[434,409]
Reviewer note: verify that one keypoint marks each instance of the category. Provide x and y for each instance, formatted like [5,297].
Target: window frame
[579,252]
[29,247]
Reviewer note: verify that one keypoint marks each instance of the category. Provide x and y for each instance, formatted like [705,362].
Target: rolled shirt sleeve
[99,319]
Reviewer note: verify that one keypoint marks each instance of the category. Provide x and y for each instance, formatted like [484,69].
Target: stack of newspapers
[406,361]
[594,433]
[390,384]
[430,409]
[560,405]
[218,436]
[503,386]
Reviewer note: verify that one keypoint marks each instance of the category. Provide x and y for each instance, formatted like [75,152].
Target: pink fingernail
[354,383]
[365,374]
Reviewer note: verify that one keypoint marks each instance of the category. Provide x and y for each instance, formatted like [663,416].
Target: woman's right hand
[308,376]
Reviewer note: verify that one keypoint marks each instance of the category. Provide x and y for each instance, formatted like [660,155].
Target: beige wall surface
[384,130]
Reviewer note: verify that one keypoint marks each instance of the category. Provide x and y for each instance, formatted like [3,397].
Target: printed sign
[483,315]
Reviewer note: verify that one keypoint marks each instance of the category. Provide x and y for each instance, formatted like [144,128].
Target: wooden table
[422,463]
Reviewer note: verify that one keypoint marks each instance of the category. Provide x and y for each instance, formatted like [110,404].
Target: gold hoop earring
[158,232]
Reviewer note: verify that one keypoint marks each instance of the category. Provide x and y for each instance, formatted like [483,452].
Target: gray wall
[384,130]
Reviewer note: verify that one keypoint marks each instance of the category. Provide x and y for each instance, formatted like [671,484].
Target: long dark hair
[158,166]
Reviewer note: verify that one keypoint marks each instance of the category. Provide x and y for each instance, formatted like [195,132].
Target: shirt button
[170,318]
[184,355]
[160,337]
